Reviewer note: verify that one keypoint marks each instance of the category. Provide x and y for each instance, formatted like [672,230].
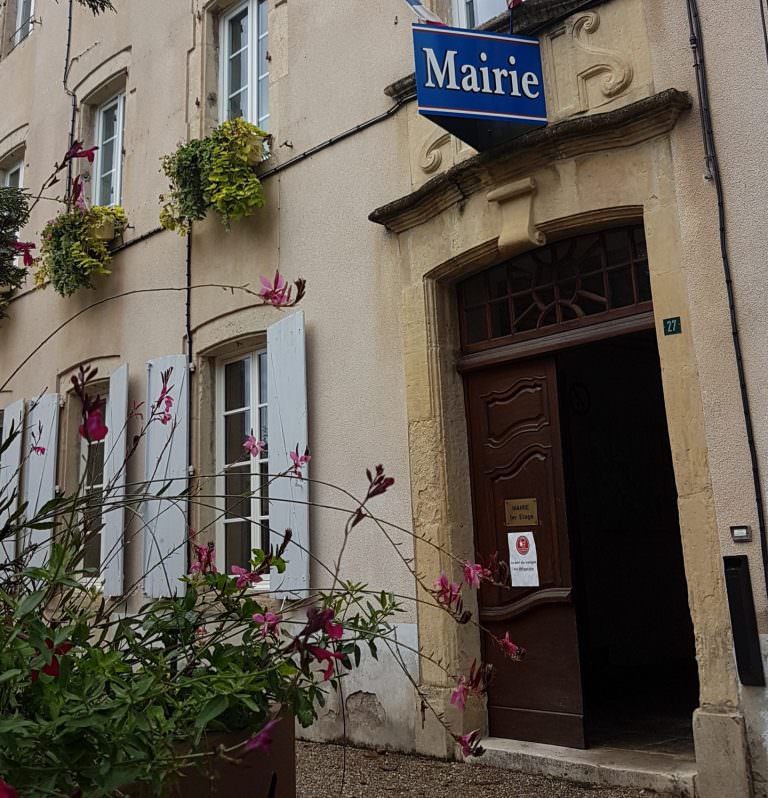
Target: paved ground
[380,775]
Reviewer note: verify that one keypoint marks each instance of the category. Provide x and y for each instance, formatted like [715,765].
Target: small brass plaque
[521,512]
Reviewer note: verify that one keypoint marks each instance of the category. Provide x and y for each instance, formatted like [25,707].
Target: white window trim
[254,34]
[17,37]
[220,365]
[118,99]
[8,171]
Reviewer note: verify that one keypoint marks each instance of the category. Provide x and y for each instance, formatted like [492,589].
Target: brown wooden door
[515,454]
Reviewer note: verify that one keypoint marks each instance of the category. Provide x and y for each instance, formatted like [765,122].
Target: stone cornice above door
[519,158]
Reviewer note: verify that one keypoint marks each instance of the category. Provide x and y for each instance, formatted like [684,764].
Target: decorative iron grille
[568,284]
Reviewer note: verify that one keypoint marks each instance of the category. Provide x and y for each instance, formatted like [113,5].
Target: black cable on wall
[713,173]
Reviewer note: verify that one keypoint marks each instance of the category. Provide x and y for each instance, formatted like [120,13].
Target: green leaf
[29,603]
[212,710]
[8,675]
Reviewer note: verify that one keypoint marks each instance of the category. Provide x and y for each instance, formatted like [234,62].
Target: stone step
[665,774]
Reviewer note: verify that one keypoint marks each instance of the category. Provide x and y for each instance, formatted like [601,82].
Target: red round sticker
[523,546]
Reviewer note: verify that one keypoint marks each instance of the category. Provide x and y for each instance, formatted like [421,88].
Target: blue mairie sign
[483,87]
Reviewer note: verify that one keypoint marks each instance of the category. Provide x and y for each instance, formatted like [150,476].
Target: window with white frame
[471,13]
[244,63]
[109,156]
[91,474]
[13,174]
[25,10]
[243,481]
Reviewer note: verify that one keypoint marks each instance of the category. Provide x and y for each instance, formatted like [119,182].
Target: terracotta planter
[257,775]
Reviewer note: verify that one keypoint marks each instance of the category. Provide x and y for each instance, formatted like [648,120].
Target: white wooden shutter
[115,448]
[40,469]
[166,460]
[287,414]
[10,470]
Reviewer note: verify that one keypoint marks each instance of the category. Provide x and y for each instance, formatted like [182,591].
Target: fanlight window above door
[568,284]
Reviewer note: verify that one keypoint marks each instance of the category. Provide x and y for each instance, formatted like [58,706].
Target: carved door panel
[515,453]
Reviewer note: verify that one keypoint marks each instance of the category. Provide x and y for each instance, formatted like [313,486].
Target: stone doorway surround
[577,175]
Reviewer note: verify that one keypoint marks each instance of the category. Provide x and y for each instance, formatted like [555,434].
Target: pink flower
[204,559]
[6,791]
[26,248]
[253,447]
[162,407]
[299,460]
[447,593]
[269,622]
[77,151]
[262,740]
[473,573]
[512,650]
[53,668]
[94,429]
[78,194]
[324,655]
[35,447]
[335,631]
[469,744]
[275,292]
[245,577]
[460,694]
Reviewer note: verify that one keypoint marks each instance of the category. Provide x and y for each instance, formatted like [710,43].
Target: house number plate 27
[673,326]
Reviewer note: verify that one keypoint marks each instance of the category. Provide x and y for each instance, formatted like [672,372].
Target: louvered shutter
[10,470]
[115,447]
[287,414]
[40,469]
[166,461]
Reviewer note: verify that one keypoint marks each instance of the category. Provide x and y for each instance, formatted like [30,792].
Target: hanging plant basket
[217,172]
[76,247]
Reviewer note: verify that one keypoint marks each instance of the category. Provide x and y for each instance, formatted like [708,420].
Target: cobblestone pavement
[373,775]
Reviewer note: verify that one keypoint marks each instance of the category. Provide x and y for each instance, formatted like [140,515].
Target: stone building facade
[584,266]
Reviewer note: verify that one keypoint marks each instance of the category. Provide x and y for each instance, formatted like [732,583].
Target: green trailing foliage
[14,214]
[75,247]
[217,172]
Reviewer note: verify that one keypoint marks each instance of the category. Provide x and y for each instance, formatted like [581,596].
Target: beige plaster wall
[323,82]
[737,71]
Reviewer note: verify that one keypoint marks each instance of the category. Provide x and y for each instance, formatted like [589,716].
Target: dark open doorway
[635,634]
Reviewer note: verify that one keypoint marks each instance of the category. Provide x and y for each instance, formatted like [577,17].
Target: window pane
[92,554]
[265,536]
[476,325]
[108,123]
[238,66]
[264,489]
[263,425]
[237,377]
[487,9]
[238,32]
[263,372]
[92,527]
[107,163]
[237,503]
[237,544]
[94,470]
[236,105]
[236,428]
[106,189]
[14,178]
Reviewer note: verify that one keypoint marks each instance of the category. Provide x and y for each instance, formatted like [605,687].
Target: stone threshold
[664,774]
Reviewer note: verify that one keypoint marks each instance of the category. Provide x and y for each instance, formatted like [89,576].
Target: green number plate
[673,326]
